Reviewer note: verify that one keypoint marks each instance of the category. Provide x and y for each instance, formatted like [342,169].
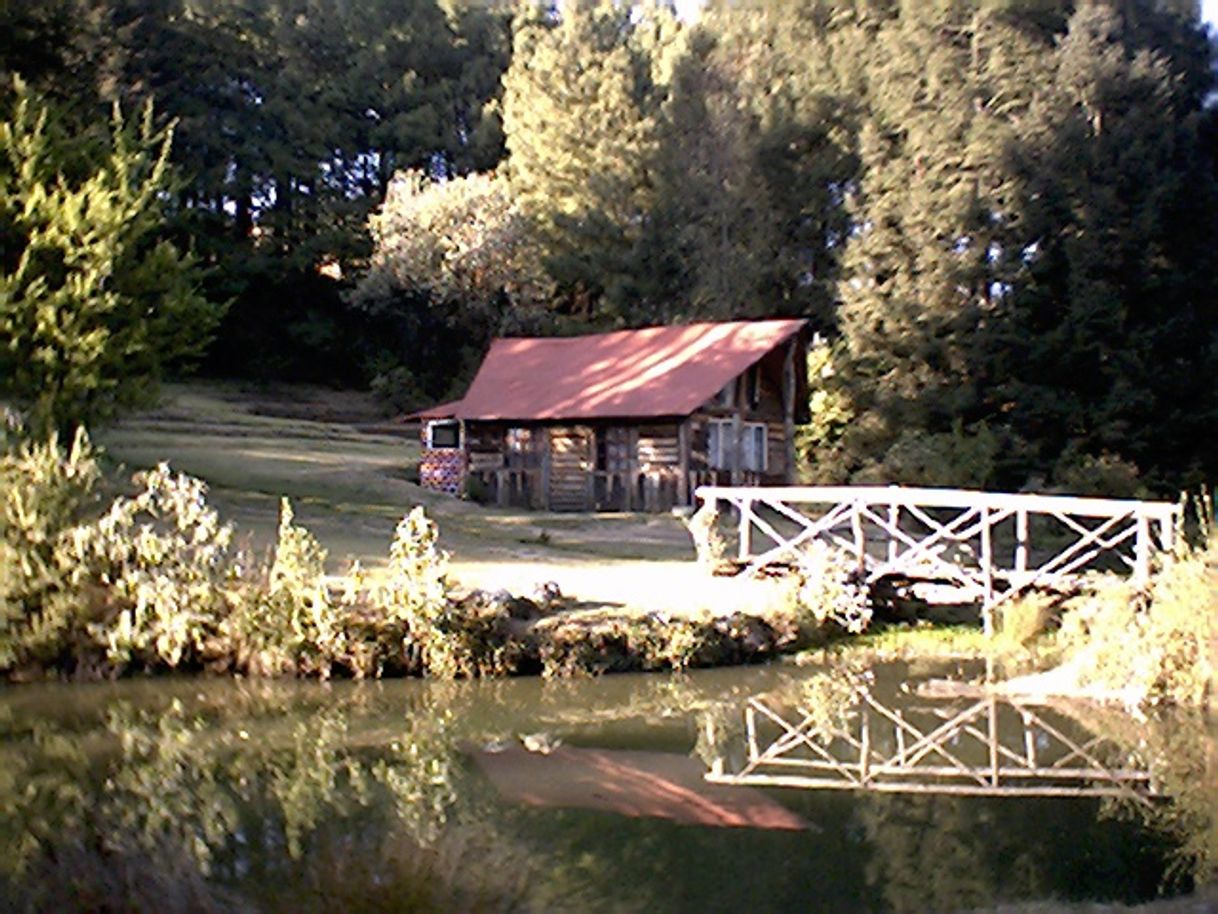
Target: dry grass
[349,482]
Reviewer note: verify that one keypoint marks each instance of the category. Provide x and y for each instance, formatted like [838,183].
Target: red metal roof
[656,371]
[439,411]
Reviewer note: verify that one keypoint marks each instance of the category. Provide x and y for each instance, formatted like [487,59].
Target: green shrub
[832,414]
[43,492]
[291,624]
[145,583]
[960,458]
[468,638]
[1024,618]
[1170,624]
[161,568]
[1107,475]
[397,390]
[830,591]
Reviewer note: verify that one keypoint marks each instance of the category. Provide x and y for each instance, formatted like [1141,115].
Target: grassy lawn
[347,472]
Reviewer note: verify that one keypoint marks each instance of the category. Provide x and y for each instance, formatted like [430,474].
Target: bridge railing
[989,545]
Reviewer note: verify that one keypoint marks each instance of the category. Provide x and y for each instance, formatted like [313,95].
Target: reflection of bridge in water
[988,747]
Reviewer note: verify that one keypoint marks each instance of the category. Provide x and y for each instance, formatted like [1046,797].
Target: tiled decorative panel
[442,470]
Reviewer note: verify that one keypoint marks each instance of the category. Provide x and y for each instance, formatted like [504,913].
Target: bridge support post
[894,517]
[860,541]
[1021,543]
[746,530]
[1141,569]
[987,573]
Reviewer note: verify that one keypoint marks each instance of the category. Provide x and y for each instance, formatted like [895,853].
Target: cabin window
[518,440]
[444,435]
[752,386]
[727,396]
[754,446]
[720,439]
[518,447]
[718,452]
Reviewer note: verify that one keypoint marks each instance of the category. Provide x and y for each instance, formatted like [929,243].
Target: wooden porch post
[737,442]
[632,467]
[545,468]
[588,465]
[683,440]
[788,408]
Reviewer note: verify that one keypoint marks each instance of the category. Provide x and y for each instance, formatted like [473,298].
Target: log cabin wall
[659,486]
[569,479]
[506,464]
[748,443]
[615,467]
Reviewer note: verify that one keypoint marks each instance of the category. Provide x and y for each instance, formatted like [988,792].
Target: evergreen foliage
[580,111]
[95,304]
[1003,210]
[1014,302]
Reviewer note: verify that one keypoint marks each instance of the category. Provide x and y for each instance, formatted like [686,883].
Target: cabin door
[570,468]
[611,487]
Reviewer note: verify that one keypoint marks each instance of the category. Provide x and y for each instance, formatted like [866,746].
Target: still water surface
[574,796]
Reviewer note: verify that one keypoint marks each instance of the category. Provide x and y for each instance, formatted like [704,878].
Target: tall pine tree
[936,228]
[579,112]
[1108,345]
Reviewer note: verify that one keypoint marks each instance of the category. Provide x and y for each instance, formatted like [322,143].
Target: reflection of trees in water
[344,798]
[1181,747]
[258,796]
[239,783]
[936,852]
[613,864]
[930,852]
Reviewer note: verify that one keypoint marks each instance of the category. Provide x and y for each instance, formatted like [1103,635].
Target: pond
[592,795]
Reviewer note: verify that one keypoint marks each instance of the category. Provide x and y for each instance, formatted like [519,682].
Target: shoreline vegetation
[101,578]
[155,582]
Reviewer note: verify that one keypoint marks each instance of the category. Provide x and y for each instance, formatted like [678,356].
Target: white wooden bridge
[985,746]
[990,546]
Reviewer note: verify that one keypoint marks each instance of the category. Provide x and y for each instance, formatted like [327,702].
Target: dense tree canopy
[1000,213]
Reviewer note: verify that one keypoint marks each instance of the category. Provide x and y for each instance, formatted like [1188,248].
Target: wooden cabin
[632,420]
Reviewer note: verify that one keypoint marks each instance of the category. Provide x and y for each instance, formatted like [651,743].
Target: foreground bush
[155,581]
[1146,647]
[44,490]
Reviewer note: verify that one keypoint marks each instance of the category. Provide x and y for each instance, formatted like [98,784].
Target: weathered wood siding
[765,407]
[659,462]
[570,462]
